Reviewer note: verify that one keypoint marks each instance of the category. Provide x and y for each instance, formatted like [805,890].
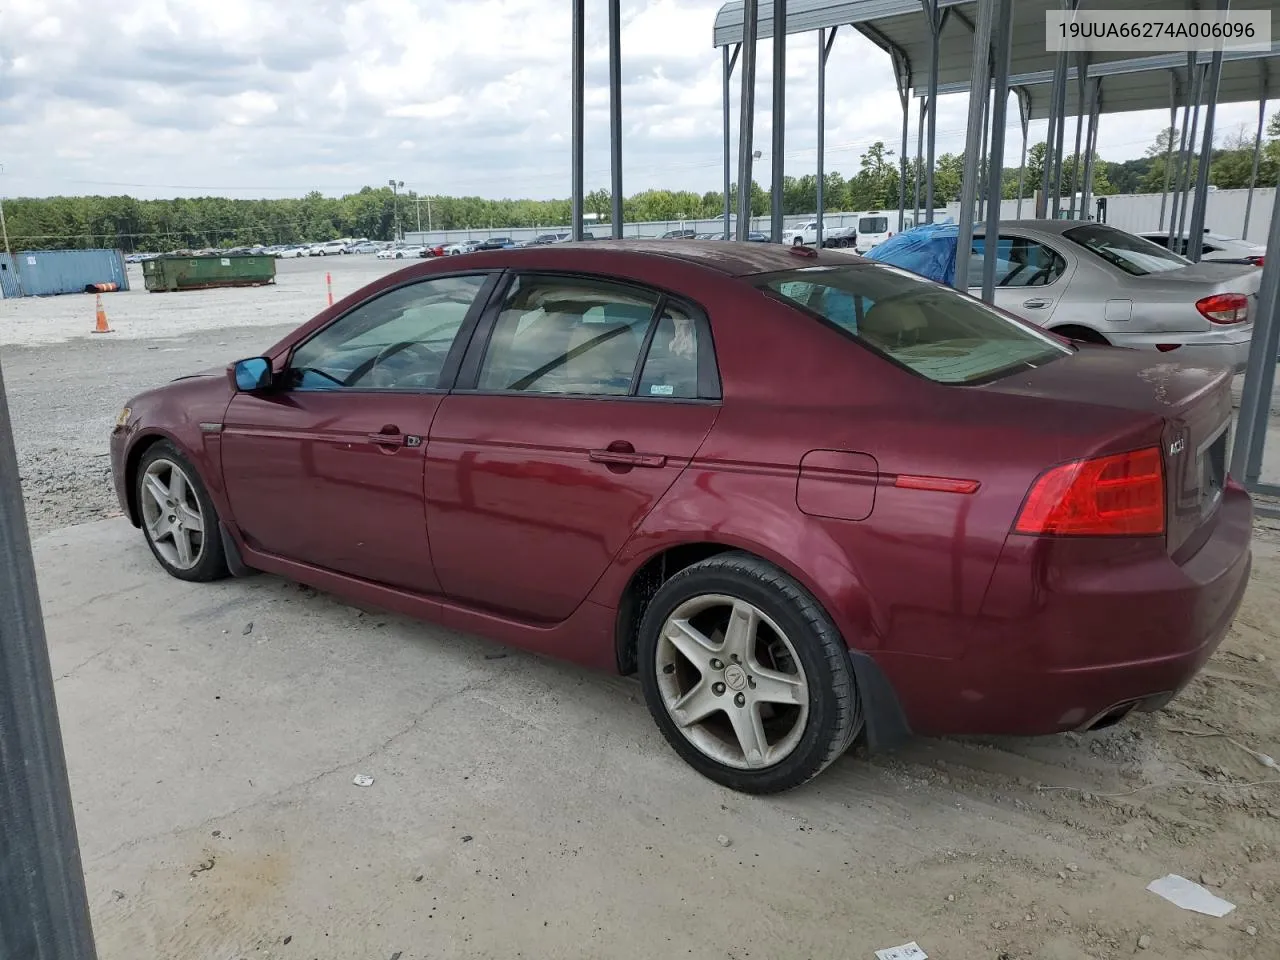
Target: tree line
[377,213]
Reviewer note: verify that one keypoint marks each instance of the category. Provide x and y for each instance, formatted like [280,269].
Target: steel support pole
[1187,180]
[935,30]
[984,165]
[1082,85]
[1051,145]
[1173,127]
[1000,51]
[779,117]
[1024,120]
[824,51]
[578,99]
[1260,372]
[750,11]
[915,220]
[1257,148]
[1060,137]
[615,116]
[44,912]
[903,70]
[1182,159]
[1195,242]
[979,85]
[728,158]
[1090,145]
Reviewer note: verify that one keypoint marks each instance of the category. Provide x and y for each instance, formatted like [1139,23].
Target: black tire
[834,716]
[797,242]
[211,563]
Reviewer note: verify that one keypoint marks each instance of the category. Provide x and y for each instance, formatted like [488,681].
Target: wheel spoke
[177,486]
[693,644]
[740,633]
[159,528]
[182,543]
[774,687]
[749,729]
[158,491]
[698,704]
[191,519]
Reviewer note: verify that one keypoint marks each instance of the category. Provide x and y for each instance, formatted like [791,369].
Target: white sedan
[400,253]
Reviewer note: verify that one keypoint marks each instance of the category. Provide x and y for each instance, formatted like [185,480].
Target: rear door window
[1019,263]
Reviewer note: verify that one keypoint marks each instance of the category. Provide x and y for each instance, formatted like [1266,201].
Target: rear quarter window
[929,329]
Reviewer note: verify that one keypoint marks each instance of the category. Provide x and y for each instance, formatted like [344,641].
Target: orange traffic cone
[101,326]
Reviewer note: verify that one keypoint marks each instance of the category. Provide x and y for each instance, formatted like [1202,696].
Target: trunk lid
[1193,404]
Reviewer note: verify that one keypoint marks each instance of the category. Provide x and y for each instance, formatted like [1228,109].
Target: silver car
[1098,284]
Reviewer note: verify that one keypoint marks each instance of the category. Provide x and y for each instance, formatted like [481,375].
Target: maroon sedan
[806,497]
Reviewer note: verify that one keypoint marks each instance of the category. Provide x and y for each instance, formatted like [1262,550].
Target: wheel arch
[1080,332]
[133,457]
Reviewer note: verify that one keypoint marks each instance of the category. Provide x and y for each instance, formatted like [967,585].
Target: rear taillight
[1121,495]
[1257,261]
[1224,308]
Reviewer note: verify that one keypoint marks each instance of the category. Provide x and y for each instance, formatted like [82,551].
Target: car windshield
[931,330]
[1134,255]
[873,225]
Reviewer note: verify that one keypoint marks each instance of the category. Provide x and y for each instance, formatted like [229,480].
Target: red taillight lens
[1258,261]
[1224,308]
[1121,495]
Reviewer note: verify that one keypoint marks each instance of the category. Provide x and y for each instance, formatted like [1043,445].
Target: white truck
[832,236]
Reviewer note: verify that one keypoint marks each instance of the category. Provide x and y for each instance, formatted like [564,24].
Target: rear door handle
[621,458]
[1036,303]
[389,437]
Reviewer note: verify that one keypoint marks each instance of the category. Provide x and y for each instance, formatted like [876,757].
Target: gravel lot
[521,807]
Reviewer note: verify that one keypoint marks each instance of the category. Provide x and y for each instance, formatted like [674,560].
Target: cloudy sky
[277,97]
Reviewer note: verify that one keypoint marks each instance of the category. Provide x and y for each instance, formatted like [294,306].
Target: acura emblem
[1177,447]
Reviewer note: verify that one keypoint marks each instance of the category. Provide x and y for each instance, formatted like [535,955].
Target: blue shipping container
[43,273]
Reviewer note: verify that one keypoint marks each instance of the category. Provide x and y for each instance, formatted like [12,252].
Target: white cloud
[453,96]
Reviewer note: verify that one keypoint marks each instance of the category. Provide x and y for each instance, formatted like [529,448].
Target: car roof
[732,259]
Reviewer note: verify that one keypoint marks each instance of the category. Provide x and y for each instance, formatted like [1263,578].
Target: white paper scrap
[1183,893]
[908,951]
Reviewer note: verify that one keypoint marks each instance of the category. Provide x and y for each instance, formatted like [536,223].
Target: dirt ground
[523,808]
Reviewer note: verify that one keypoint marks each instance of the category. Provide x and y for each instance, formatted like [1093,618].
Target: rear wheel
[178,517]
[746,676]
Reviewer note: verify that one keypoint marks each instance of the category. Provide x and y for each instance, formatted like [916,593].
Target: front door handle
[1036,303]
[622,454]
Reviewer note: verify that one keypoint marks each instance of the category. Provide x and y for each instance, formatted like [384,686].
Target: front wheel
[178,517]
[797,242]
[746,676]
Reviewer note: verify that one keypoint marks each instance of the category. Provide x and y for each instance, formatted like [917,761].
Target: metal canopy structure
[939,47]
[1144,83]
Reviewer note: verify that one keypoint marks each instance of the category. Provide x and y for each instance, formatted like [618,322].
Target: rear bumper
[1226,347]
[1067,638]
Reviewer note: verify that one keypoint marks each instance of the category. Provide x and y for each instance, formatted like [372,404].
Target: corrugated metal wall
[1138,212]
[43,273]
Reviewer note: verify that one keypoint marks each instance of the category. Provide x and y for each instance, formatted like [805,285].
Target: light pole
[395,186]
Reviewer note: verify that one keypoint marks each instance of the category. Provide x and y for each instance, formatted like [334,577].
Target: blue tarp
[929,250]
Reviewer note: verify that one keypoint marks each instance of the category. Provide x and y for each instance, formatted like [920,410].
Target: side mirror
[254,374]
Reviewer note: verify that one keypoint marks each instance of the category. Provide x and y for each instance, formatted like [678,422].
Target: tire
[1081,334]
[807,661]
[206,559]
[797,242]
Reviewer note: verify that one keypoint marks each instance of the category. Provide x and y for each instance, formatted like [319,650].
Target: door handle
[627,458]
[1036,303]
[389,436]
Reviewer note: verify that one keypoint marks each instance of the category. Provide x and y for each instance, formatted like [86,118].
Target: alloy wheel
[171,514]
[731,681]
